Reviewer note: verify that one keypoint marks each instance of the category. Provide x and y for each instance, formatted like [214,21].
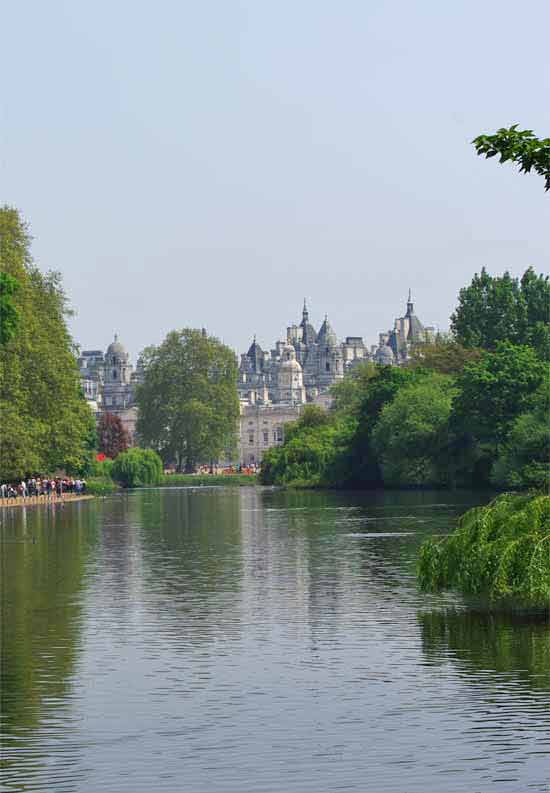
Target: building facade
[395,346]
[108,381]
[317,360]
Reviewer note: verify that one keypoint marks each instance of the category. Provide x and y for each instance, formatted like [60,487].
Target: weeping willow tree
[501,551]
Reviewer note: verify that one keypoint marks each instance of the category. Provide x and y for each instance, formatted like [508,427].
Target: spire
[305,313]
[410,305]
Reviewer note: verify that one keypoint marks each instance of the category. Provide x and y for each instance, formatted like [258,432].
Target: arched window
[114,374]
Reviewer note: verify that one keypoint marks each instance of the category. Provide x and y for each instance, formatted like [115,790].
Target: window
[114,374]
[266,437]
[328,367]
[251,437]
[279,434]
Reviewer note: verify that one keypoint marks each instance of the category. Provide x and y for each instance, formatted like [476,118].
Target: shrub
[101,468]
[100,486]
[137,467]
[499,551]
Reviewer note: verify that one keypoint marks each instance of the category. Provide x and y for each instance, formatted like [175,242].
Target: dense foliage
[112,438]
[46,423]
[497,309]
[500,551]
[188,403]
[411,436]
[313,452]
[456,415]
[520,146]
[9,314]
[137,467]
[524,460]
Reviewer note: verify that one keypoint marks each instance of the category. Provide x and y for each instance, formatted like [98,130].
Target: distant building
[261,427]
[108,381]
[273,386]
[394,346]
[317,361]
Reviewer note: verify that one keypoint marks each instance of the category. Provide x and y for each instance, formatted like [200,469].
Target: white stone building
[108,381]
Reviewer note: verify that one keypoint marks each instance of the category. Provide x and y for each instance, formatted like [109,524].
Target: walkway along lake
[244,639]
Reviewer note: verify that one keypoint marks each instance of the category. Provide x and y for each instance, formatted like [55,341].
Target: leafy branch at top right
[521,147]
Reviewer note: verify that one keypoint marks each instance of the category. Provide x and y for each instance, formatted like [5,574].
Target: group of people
[42,486]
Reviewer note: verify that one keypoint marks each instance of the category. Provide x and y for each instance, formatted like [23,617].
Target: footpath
[35,501]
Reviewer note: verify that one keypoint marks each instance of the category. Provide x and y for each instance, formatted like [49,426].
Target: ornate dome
[289,359]
[116,348]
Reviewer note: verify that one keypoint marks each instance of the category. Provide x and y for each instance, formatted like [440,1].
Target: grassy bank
[196,480]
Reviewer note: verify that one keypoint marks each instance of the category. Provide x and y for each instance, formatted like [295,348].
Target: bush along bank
[499,553]
[200,480]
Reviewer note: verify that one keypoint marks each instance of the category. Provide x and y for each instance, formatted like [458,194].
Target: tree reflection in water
[475,641]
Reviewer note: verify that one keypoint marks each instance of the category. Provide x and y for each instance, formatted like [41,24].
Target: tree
[9,315]
[112,437]
[500,551]
[376,389]
[188,402]
[411,437]
[521,147]
[314,452]
[46,422]
[137,467]
[525,459]
[445,356]
[495,390]
[502,308]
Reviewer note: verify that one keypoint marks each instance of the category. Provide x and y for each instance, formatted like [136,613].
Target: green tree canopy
[495,390]
[315,451]
[499,552]
[137,467]
[188,403]
[525,459]
[411,436]
[501,308]
[520,146]
[9,314]
[46,422]
[445,356]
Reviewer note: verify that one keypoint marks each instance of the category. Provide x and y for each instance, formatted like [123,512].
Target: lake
[248,639]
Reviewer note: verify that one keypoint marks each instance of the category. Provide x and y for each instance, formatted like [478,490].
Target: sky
[210,164]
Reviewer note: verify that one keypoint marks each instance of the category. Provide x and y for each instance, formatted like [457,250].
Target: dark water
[247,640]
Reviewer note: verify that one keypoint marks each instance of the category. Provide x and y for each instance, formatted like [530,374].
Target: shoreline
[38,501]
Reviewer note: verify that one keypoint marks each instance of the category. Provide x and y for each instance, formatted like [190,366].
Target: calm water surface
[255,640]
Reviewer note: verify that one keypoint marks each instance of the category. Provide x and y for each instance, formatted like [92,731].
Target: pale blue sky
[212,163]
